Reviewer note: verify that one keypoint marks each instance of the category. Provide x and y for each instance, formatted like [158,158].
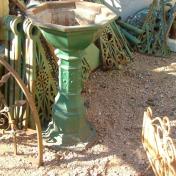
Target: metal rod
[130,37]
[130,27]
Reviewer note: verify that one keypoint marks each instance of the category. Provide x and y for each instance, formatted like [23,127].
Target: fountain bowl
[71,25]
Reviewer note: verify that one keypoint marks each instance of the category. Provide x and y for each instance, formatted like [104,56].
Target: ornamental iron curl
[114,48]
[158,144]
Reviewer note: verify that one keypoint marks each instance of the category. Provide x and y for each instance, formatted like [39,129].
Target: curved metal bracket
[32,107]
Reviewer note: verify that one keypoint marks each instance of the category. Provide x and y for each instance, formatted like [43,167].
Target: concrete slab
[125,8]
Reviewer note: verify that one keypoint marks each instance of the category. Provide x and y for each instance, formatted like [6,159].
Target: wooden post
[4,10]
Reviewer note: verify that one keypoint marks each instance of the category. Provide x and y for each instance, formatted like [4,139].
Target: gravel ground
[115,102]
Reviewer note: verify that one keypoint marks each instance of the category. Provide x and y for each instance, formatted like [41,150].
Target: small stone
[150,102]
[89,91]
[87,104]
[102,85]
[124,154]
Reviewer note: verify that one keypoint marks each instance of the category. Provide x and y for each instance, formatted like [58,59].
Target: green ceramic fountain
[70,26]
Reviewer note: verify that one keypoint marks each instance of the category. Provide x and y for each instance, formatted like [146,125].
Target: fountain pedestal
[70,27]
[69,125]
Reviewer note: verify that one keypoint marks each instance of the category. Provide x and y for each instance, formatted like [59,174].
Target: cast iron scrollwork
[158,144]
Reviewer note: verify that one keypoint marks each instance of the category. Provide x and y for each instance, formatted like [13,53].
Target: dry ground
[115,102]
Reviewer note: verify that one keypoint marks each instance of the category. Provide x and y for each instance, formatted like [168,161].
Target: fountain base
[76,142]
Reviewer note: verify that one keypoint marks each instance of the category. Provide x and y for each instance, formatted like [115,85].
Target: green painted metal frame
[157,27]
[39,72]
[13,53]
